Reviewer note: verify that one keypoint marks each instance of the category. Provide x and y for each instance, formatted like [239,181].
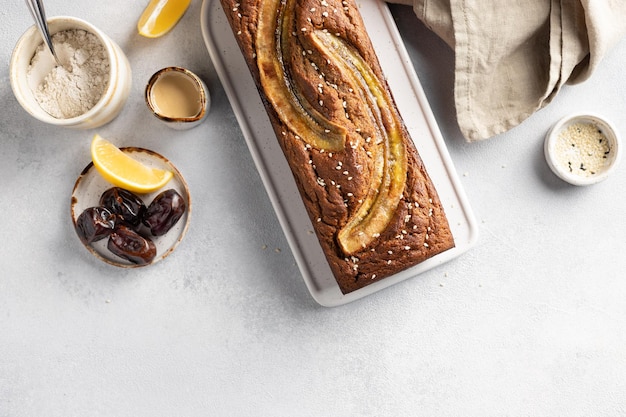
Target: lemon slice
[123,171]
[160,16]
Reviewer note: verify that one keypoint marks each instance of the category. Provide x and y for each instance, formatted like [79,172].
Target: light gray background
[530,322]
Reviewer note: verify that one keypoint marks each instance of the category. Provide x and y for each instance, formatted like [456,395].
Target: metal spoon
[39,14]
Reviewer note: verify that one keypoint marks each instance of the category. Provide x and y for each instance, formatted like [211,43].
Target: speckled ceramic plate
[90,185]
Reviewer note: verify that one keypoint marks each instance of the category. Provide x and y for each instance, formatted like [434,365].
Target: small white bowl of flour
[87,91]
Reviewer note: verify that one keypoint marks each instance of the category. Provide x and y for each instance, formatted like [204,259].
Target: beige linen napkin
[512,57]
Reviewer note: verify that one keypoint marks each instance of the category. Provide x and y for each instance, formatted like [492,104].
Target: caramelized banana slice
[386,187]
[297,114]
[390,161]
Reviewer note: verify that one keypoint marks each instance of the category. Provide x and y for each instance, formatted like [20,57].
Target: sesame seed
[583,149]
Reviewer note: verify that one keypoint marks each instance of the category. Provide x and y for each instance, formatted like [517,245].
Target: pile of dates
[121,216]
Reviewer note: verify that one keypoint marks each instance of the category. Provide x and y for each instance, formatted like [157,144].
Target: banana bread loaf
[372,204]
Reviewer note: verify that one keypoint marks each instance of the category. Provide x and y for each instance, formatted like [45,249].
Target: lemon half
[123,171]
[160,16]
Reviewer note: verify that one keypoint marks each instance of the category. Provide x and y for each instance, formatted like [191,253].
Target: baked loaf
[371,202]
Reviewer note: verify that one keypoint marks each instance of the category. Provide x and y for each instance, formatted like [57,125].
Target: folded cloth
[511,58]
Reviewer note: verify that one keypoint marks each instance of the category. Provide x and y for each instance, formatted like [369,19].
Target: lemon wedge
[160,16]
[123,171]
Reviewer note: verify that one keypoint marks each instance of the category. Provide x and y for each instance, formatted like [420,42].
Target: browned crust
[332,184]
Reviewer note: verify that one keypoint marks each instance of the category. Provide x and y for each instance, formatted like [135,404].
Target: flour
[74,88]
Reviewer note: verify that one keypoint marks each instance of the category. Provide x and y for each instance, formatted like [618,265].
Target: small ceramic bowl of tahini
[178,98]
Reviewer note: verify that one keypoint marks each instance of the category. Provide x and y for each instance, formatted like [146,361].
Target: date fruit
[124,203]
[164,212]
[130,245]
[94,223]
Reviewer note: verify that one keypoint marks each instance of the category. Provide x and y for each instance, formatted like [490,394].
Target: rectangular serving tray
[276,174]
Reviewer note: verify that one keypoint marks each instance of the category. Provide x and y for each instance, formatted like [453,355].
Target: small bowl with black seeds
[582,149]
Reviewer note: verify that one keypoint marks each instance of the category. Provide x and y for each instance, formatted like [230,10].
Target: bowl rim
[608,129]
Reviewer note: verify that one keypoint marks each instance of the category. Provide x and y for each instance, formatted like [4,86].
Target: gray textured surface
[529,322]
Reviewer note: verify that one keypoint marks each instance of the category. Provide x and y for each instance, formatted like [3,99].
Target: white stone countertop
[530,322]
